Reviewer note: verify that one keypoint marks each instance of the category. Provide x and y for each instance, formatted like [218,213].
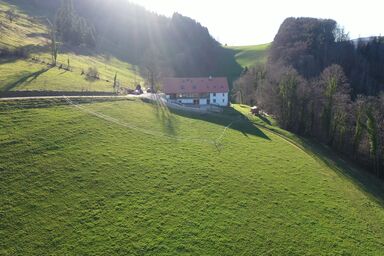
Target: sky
[247,22]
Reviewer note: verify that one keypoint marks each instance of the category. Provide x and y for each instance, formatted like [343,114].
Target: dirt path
[146,95]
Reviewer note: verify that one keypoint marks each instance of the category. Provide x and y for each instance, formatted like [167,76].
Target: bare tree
[359,122]
[154,68]
[116,84]
[150,63]
[335,84]
[53,45]
[373,136]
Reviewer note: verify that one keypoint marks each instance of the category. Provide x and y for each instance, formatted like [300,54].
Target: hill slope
[30,35]
[248,56]
[178,45]
[132,178]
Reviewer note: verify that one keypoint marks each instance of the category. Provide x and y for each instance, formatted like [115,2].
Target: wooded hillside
[320,84]
[179,45]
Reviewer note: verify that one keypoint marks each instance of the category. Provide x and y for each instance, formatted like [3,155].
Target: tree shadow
[8,60]
[264,119]
[44,35]
[28,78]
[20,53]
[63,72]
[365,181]
[164,116]
[33,10]
[34,49]
[78,50]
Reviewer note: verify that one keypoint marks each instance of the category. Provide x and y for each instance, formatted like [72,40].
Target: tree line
[72,28]
[319,84]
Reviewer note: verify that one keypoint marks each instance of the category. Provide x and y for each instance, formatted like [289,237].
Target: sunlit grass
[23,74]
[73,183]
[249,56]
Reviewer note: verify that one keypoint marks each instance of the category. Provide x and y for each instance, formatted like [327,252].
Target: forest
[320,84]
[165,46]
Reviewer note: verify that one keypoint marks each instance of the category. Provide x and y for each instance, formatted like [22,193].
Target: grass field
[30,34]
[153,183]
[249,56]
[26,75]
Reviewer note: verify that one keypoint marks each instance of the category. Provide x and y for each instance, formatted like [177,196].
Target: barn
[197,90]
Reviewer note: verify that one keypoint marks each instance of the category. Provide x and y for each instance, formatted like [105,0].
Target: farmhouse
[197,90]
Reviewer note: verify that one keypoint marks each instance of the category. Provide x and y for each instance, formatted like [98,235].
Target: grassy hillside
[248,56]
[137,179]
[30,35]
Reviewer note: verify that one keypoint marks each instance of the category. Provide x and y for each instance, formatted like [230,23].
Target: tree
[305,44]
[373,138]
[72,28]
[116,85]
[65,18]
[53,45]
[335,84]
[360,109]
[288,97]
[11,15]
[153,68]
[245,87]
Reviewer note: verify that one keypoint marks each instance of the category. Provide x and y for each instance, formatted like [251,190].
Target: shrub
[92,74]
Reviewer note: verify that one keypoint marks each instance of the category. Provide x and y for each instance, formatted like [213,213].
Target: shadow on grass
[264,119]
[33,49]
[367,182]
[20,53]
[26,78]
[164,116]
[8,60]
[231,117]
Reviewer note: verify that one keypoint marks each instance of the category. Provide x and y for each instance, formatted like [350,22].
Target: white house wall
[221,99]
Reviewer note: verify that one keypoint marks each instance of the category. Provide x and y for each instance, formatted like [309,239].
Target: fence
[82,71]
[10,94]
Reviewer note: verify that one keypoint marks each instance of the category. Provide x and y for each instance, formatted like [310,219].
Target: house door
[196,102]
[208,101]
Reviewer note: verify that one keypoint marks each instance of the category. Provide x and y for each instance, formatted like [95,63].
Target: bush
[92,74]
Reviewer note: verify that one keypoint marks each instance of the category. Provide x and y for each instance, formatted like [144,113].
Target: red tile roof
[195,85]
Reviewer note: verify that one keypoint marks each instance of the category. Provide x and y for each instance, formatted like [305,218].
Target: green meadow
[133,178]
[249,56]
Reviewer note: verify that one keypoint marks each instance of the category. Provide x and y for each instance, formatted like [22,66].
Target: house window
[223,94]
[214,100]
[223,100]
[214,95]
